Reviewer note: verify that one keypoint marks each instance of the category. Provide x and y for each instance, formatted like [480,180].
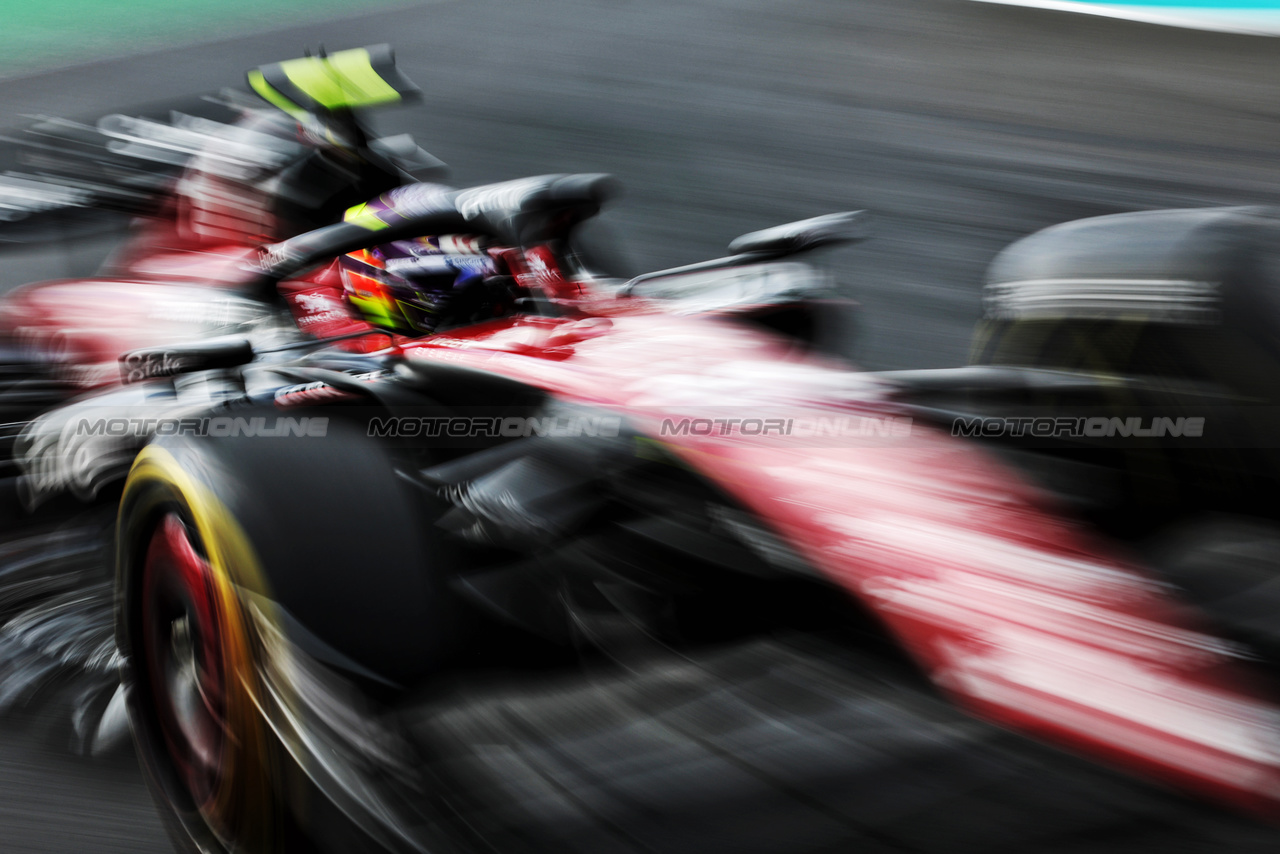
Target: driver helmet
[411,287]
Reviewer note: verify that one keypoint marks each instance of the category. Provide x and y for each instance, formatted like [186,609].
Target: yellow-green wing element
[346,80]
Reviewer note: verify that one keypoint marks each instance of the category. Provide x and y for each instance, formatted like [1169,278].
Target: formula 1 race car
[483,551]
[592,573]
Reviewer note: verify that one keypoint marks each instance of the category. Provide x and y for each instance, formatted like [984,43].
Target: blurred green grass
[38,34]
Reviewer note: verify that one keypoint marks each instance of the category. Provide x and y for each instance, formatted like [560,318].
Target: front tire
[217,535]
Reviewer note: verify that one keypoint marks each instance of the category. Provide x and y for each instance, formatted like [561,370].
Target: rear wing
[326,84]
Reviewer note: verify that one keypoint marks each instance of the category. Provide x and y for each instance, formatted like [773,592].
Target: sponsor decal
[439,264]
[461,244]
[308,394]
[316,309]
[311,394]
[275,255]
[138,366]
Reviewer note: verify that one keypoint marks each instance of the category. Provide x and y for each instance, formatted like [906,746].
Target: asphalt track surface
[961,125]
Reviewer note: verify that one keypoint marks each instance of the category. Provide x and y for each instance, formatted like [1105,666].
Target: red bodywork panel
[84,325]
[162,298]
[1016,613]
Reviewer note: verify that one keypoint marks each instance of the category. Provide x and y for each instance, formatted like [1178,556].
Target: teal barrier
[36,34]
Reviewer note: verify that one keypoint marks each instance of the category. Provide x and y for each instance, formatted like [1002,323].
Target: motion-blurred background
[961,125]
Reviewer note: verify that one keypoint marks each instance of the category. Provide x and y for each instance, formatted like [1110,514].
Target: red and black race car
[506,555]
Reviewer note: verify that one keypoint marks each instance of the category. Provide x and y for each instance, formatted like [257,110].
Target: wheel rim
[184,654]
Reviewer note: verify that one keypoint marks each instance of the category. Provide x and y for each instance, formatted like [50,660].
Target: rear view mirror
[782,240]
[771,244]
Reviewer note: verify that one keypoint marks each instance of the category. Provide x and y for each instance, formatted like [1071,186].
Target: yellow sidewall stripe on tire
[229,552]
[235,567]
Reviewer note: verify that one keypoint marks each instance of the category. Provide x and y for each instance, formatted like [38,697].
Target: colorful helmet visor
[408,286]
